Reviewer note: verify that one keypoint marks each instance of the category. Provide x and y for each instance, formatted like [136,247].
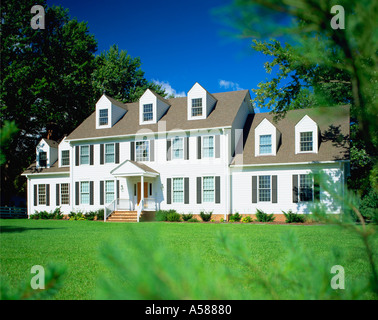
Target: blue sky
[179,43]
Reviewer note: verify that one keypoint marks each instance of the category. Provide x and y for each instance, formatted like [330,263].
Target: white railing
[139,208]
[149,204]
[117,204]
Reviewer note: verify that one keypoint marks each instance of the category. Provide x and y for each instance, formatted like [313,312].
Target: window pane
[306,141]
[177,148]
[84,155]
[109,191]
[109,153]
[208,189]
[142,152]
[41,194]
[64,193]
[305,187]
[264,188]
[65,158]
[84,192]
[42,159]
[147,112]
[266,144]
[103,118]
[178,190]
[196,107]
[208,147]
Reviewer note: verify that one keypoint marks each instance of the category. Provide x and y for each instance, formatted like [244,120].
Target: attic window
[197,107]
[103,117]
[306,141]
[147,112]
[266,144]
[42,159]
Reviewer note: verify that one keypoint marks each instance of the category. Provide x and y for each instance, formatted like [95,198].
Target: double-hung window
[147,112]
[109,153]
[142,151]
[178,190]
[42,159]
[305,187]
[84,192]
[208,146]
[65,193]
[306,141]
[109,191]
[197,107]
[178,148]
[84,155]
[103,117]
[265,144]
[264,188]
[41,194]
[208,189]
[65,158]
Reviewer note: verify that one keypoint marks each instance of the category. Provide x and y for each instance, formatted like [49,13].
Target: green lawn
[77,245]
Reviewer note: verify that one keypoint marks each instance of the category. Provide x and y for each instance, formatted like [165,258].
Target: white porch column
[142,188]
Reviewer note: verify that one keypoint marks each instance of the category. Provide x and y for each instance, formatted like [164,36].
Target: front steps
[123,216]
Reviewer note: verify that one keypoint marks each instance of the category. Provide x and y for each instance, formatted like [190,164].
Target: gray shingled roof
[223,115]
[333,124]
[53,169]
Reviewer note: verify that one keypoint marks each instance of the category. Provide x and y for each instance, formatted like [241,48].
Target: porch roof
[131,168]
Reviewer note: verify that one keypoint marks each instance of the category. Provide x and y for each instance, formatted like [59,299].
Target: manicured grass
[76,244]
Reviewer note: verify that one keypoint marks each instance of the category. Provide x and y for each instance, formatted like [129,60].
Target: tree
[45,82]
[119,75]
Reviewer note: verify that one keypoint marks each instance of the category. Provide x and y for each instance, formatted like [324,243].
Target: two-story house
[203,152]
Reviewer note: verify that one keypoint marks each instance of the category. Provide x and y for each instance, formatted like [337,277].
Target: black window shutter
[77,155]
[152,150]
[117,152]
[199,147]
[169,191]
[91,190]
[169,155]
[35,195]
[316,187]
[274,189]
[217,189]
[57,195]
[102,153]
[132,150]
[117,194]
[254,189]
[186,148]
[47,194]
[101,192]
[91,156]
[77,193]
[199,190]
[217,146]
[295,188]
[186,190]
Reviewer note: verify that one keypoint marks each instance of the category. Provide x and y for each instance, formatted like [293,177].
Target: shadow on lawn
[11,229]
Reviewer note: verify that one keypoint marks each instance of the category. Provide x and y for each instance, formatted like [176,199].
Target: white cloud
[229,85]
[168,89]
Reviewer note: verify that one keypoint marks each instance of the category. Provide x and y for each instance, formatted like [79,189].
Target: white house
[203,152]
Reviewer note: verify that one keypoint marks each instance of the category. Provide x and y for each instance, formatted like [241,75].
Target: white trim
[285,164]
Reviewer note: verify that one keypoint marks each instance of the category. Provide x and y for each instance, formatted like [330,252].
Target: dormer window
[103,117]
[306,141]
[197,107]
[42,159]
[65,158]
[266,144]
[148,114]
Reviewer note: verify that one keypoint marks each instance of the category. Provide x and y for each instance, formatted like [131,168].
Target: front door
[139,194]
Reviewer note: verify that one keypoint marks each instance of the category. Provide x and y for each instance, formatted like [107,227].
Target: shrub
[90,215]
[162,215]
[187,217]
[100,214]
[246,219]
[173,216]
[57,214]
[221,220]
[294,217]
[236,217]
[261,216]
[193,220]
[206,216]
[368,206]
